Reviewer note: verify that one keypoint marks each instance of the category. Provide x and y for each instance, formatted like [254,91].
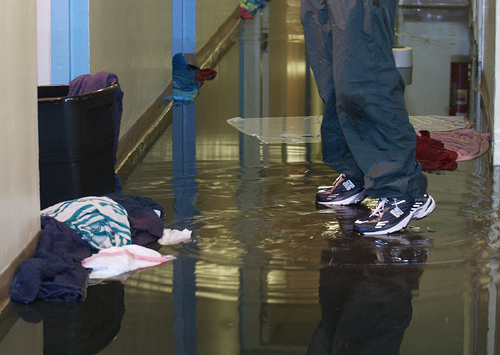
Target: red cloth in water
[432,155]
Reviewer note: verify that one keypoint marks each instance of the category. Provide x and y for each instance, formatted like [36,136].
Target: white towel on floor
[118,260]
[173,236]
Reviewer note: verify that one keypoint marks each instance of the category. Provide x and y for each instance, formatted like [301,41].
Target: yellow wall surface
[491,69]
[19,196]
[133,39]
[209,16]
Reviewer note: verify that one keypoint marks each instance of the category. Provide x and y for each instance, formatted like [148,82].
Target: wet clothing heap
[99,221]
[442,150]
[55,273]
[366,133]
[468,143]
[432,154]
[144,215]
[73,230]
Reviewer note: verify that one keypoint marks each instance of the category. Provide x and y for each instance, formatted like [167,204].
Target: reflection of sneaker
[343,192]
[392,215]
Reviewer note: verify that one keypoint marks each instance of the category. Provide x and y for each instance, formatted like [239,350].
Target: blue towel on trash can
[55,273]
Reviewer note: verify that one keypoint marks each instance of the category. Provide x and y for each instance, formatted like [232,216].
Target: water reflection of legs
[365,292]
[184,189]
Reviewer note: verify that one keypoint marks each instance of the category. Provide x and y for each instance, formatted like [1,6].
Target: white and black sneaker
[343,192]
[392,215]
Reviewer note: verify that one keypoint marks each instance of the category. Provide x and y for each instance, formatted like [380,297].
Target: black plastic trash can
[76,143]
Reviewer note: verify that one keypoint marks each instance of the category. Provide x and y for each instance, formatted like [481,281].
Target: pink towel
[468,143]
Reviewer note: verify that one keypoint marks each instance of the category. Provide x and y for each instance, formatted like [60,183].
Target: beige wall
[491,69]
[133,39]
[489,72]
[209,16]
[19,198]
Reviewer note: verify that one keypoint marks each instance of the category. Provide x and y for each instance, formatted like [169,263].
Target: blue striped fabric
[99,221]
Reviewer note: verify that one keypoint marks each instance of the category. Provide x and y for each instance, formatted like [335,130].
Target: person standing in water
[366,133]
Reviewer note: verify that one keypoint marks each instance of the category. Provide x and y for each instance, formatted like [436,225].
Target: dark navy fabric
[145,225]
[55,273]
[366,133]
[84,84]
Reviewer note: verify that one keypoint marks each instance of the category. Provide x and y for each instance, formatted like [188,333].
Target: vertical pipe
[59,12]
[79,40]
[183,26]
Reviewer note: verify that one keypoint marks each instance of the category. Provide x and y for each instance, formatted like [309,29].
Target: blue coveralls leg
[366,133]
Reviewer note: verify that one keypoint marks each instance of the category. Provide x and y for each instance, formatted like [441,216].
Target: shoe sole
[423,211]
[419,213]
[348,201]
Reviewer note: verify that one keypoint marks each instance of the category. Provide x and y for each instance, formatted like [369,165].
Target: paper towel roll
[403,56]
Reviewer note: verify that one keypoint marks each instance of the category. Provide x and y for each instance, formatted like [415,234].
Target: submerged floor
[263,254]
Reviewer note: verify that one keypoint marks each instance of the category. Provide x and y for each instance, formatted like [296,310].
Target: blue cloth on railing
[146,225]
[55,273]
[185,88]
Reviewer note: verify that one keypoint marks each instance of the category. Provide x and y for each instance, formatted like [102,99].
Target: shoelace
[379,208]
[338,181]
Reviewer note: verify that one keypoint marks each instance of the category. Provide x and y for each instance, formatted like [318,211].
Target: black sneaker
[392,215]
[343,192]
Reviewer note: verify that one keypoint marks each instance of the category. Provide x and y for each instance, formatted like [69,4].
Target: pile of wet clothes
[442,150]
[95,237]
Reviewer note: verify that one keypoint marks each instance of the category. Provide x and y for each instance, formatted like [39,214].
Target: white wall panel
[19,197]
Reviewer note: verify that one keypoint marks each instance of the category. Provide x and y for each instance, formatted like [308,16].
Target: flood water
[264,255]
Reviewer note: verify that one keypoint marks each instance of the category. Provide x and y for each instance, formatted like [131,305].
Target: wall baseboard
[140,137]
[10,272]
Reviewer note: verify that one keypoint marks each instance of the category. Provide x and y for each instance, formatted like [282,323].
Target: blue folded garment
[55,273]
[185,88]
[182,73]
[146,225]
[183,96]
